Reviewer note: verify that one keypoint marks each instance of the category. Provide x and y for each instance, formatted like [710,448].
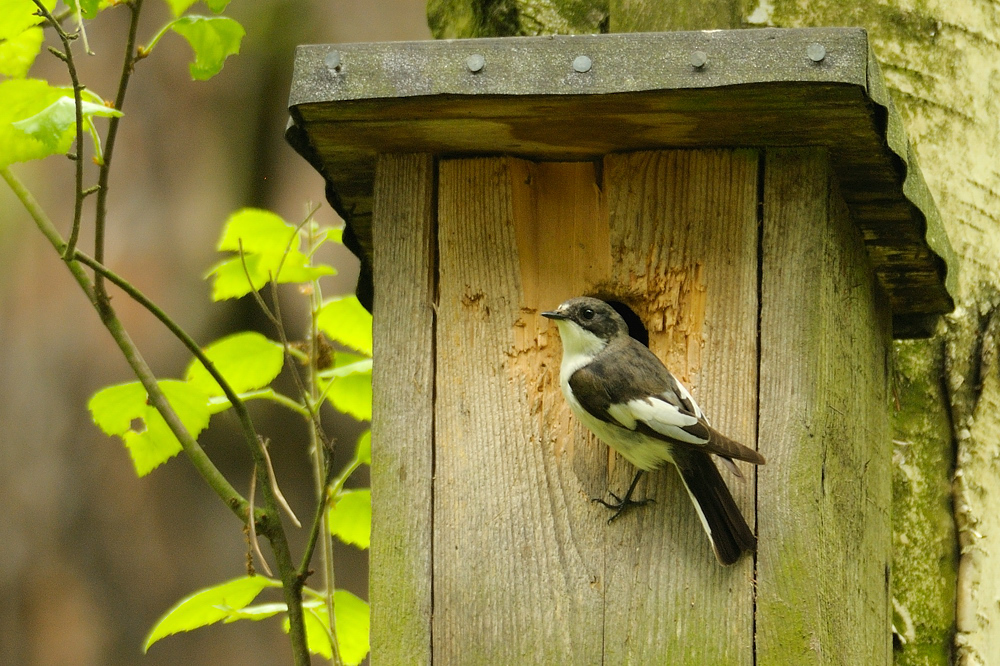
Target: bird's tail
[726,528]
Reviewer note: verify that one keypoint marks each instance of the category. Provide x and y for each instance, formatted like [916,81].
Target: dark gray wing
[628,386]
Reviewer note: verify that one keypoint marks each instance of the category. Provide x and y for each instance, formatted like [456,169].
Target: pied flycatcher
[622,392]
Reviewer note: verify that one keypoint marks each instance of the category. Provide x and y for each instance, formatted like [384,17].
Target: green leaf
[260,232]
[16,16]
[178,7]
[265,238]
[318,631]
[231,278]
[18,53]
[346,321]
[352,393]
[54,127]
[350,517]
[353,627]
[334,234]
[217,6]
[213,38]
[208,606]
[363,453]
[353,624]
[20,99]
[123,410]
[247,360]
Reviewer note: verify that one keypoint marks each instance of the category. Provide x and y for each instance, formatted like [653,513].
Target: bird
[627,397]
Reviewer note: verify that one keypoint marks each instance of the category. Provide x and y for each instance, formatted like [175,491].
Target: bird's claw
[620,505]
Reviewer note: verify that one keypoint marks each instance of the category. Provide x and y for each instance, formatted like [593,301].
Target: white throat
[580,346]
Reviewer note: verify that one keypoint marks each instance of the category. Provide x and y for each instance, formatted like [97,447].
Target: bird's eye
[587,314]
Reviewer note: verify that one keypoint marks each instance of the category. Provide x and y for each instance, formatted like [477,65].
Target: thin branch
[315,528]
[303,391]
[172,326]
[316,433]
[253,290]
[275,318]
[47,228]
[67,57]
[250,523]
[239,405]
[276,490]
[267,519]
[82,29]
[181,334]
[190,445]
[101,211]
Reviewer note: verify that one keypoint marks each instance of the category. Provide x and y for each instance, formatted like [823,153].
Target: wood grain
[403,415]
[684,241]
[518,568]
[824,497]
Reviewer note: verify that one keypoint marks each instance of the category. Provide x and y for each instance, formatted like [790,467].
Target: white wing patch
[661,416]
[686,395]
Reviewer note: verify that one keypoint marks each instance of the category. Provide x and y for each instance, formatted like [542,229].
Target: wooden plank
[684,242]
[824,496]
[403,415]
[518,568]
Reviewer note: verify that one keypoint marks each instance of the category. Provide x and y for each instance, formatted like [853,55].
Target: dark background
[91,555]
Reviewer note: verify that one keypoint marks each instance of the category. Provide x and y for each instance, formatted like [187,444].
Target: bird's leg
[623,503]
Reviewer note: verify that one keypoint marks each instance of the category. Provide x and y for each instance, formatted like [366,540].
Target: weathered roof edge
[922,202]
[913,189]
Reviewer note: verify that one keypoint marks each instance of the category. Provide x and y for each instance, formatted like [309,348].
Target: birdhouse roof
[581,97]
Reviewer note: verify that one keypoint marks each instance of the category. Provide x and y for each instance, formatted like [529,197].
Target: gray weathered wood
[823,499]
[684,242]
[403,415]
[758,87]
[518,563]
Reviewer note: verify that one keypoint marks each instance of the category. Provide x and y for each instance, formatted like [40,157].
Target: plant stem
[101,211]
[78,105]
[192,449]
[267,519]
[319,519]
[319,453]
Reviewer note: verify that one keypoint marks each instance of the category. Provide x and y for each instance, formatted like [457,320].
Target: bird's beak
[555,314]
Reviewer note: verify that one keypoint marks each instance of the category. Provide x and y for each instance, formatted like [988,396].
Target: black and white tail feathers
[726,528]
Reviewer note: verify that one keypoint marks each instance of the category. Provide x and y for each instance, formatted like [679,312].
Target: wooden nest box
[751,196]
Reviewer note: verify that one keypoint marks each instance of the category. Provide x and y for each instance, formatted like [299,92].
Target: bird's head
[586,325]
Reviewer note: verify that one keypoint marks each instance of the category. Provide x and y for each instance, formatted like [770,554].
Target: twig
[303,391]
[238,404]
[82,29]
[315,528]
[268,518]
[275,489]
[67,57]
[275,318]
[253,289]
[191,448]
[101,207]
[315,433]
[250,523]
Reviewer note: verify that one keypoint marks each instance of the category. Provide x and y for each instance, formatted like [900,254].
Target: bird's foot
[619,505]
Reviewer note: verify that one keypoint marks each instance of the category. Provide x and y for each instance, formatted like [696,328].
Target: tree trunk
[940,61]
